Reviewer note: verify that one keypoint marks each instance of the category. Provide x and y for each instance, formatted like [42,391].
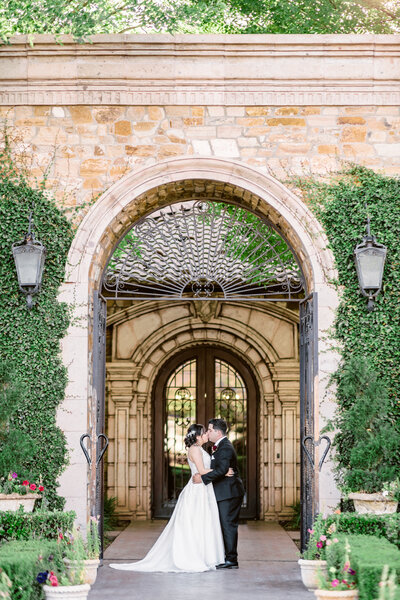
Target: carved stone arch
[133,197]
[278,407]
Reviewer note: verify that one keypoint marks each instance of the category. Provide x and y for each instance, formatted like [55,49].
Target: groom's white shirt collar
[220,440]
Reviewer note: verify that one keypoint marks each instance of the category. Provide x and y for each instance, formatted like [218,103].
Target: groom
[229,491]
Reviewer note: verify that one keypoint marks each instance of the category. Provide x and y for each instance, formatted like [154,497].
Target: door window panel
[231,405]
[180,413]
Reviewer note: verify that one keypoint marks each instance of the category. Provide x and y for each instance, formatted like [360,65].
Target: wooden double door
[193,387]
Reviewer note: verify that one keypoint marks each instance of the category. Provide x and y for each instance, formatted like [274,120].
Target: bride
[192,540]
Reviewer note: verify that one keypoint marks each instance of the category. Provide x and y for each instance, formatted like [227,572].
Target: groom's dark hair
[219,424]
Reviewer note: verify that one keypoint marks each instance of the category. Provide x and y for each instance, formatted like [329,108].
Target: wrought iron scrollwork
[314,444]
[203,250]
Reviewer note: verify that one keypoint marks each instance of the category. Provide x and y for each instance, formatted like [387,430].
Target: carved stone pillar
[142,508]
[268,451]
[120,378]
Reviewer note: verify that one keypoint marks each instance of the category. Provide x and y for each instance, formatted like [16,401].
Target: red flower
[60,535]
[25,482]
[41,488]
[319,544]
[32,486]
[53,580]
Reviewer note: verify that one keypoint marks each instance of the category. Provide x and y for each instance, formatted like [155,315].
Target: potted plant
[89,551]
[17,491]
[339,583]
[313,560]
[368,442]
[70,582]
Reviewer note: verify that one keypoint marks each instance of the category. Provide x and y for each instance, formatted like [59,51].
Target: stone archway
[135,196]
[262,335]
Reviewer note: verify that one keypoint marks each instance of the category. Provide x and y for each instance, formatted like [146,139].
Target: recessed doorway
[193,387]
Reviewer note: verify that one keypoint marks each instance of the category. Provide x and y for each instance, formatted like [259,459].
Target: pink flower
[319,544]
[310,531]
[335,540]
[32,487]
[26,482]
[14,476]
[335,582]
[323,538]
[328,542]
[53,580]
[346,566]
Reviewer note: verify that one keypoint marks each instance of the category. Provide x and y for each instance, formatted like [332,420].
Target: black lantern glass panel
[370,259]
[29,257]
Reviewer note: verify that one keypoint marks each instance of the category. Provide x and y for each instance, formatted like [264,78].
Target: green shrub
[368,556]
[386,526]
[22,561]
[366,430]
[42,524]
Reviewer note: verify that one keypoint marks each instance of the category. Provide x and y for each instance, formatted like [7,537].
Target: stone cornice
[202,70]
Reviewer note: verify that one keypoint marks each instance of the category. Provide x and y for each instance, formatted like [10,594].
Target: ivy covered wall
[30,339]
[342,206]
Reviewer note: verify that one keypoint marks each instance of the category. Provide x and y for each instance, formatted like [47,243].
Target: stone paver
[268,569]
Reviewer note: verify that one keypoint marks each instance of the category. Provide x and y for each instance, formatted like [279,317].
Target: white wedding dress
[192,540]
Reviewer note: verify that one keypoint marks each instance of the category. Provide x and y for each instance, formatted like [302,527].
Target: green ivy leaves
[30,340]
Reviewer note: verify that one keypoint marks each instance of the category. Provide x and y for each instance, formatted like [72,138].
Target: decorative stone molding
[247,330]
[253,70]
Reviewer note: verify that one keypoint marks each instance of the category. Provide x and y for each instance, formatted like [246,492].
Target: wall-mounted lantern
[370,259]
[29,256]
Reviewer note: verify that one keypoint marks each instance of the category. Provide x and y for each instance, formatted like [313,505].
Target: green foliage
[23,560]
[368,441]
[93,539]
[41,524]
[368,556]
[316,547]
[82,18]
[340,572]
[15,447]
[340,205]
[30,339]
[110,518]
[386,526]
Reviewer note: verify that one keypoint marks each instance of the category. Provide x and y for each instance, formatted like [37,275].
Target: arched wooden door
[193,387]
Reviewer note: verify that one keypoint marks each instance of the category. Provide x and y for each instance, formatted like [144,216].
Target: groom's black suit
[229,492]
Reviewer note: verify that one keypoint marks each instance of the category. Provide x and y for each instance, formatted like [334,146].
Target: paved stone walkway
[267,558]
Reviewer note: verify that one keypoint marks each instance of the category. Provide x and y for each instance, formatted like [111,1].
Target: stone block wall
[90,147]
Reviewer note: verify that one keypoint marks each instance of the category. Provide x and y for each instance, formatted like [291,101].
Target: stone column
[120,380]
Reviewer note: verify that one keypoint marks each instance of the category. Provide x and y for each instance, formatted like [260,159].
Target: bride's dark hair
[192,433]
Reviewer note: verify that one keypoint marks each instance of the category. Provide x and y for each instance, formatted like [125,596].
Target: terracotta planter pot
[373,504]
[336,595]
[69,592]
[309,570]
[90,567]
[12,502]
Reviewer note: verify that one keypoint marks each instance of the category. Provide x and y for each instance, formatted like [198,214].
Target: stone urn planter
[309,570]
[375,504]
[69,592]
[336,594]
[90,567]
[12,502]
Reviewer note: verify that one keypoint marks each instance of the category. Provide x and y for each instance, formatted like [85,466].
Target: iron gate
[193,252]
[308,373]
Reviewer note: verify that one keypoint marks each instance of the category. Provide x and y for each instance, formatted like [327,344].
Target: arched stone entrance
[137,195]
[264,336]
